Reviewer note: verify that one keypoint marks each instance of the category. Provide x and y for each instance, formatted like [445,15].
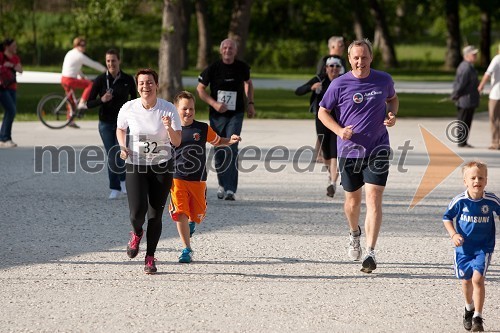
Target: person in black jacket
[327,139]
[465,94]
[110,91]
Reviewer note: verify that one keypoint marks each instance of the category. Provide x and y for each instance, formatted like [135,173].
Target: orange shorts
[189,198]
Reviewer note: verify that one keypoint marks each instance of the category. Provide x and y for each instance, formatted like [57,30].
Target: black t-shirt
[227,85]
[190,156]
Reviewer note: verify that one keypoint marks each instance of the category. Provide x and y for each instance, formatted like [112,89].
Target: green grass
[275,104]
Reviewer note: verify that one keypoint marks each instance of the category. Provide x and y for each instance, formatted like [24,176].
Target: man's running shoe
[355,246]
[229,196]
[133,244]
[192,228]
[186,256]
[369,263]
[330,190]
[149,265]
[220,192]
[477,324]
[468,319]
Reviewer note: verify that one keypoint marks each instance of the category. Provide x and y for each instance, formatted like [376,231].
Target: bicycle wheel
[53,110]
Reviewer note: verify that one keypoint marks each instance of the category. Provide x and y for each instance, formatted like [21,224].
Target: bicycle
[57,111]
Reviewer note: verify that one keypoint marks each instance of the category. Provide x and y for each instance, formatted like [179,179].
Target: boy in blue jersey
[188,193]
[473,236]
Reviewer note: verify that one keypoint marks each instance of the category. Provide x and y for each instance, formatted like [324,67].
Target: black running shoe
[369,263]
[468,319]
[477,324]
[330,191]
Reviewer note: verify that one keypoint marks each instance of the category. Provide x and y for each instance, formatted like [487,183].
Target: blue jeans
[8,101]
[116,166]
[226,158]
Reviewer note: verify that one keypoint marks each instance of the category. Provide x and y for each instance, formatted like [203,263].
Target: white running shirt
[494,71]
[148,140]
[73,62]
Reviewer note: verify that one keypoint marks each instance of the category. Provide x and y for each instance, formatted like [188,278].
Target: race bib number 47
[228,98]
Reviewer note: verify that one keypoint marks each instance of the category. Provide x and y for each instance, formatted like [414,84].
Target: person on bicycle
[72,75]
[109,92]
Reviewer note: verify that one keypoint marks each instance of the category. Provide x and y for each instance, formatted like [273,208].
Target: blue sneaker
[192,228]
[186,256]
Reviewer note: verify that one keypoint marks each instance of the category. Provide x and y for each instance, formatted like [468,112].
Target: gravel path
[273,261]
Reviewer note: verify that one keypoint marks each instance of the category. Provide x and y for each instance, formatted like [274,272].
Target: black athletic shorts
[355,172]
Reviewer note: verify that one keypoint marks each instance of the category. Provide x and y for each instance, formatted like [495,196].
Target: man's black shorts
[355,172]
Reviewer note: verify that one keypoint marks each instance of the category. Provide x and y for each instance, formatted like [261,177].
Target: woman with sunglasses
[328,140]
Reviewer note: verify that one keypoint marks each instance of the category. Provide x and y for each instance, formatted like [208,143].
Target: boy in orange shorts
[188,193]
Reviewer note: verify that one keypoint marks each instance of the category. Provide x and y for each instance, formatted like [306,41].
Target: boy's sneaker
[369,263]
[133,244]
[468,319]
[229,196]
[355,246]
[149,265]
[220,192]
[477,324]
[186,256]
[192,228]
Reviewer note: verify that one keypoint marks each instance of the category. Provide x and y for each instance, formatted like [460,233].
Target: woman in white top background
[154,125]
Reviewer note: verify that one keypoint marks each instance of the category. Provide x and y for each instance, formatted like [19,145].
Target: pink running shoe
[133,244]
[149,265]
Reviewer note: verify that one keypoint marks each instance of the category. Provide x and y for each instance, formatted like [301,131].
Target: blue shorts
[355,172]
[466,264]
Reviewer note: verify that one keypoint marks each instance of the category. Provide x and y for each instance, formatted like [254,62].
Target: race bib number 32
[228,98]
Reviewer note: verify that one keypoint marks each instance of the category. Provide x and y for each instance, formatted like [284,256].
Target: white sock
[469,307]
[123,187]
[477,314]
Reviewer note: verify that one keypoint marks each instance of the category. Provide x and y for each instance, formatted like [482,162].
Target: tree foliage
[281,33]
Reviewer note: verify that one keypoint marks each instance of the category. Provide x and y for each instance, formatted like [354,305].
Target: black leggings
[147,191]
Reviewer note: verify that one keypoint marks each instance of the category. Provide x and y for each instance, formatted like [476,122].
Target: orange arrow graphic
[442,162]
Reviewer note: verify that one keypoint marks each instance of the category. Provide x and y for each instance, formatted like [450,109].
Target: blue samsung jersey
[475,221]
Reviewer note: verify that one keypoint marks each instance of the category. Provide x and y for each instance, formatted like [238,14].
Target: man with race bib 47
[231,92]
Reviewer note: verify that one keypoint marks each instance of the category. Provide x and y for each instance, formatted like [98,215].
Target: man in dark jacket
[465,94]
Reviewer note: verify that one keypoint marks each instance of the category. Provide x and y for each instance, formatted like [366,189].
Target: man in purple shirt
[365,103]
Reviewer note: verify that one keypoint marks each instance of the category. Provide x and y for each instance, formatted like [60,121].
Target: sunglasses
[82,44]
[338,66]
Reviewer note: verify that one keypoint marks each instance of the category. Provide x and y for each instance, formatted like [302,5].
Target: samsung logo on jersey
[475,219]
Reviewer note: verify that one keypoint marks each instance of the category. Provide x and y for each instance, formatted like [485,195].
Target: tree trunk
[356,19]
[204,40]
[170,59]
[453,57]
[485,35]
[240,21]
[185,21]
[383,36]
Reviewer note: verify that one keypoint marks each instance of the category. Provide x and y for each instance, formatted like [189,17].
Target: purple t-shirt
[361,103]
